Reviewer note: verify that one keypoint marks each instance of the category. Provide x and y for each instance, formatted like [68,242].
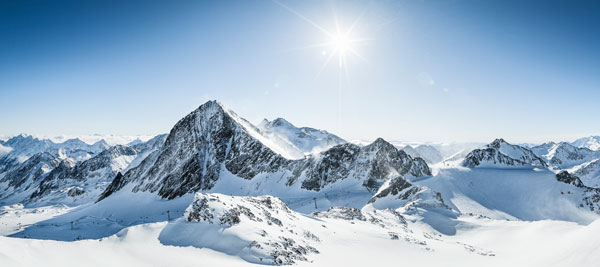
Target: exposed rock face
[374,163]
[25,146]
[565,155]
[387,218]
[90,174]
[265,229]
[396,187]
[343,213]
[31,170]
[493,156]
[591,196]
[399,193]
[332,165]
[20,148]
[196,149]
[502,154]
[589,173]
[567,178]
[24,178]
[209,139]
[26,161]
[154,143]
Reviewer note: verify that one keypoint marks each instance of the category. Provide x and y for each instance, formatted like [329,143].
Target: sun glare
[341,40]
[341,43]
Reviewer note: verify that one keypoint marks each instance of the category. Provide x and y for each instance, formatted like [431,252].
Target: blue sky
[430,70]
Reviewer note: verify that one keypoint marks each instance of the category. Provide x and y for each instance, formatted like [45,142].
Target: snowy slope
[218,190]
[305,140]
[589,173]
[592,142]
[261,230]
[564,155]
[411,151]
[427,152]
[479,242]
[524,194]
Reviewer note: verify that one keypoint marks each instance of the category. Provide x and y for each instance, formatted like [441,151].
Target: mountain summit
[213,149]
[500,154]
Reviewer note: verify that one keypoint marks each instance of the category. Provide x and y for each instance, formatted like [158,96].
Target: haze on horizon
[437,71]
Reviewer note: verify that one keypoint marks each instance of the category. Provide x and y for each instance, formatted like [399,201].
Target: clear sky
[452,70]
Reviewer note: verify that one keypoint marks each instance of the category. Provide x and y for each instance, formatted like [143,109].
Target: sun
[341,43]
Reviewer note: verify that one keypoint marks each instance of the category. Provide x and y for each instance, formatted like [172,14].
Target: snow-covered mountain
[305,140]
[427,152]
[268,194]
[110,139]
[213,147]
[53,177]
[19,182]
[564,155]
[72,183]
[589,173]
[591,142]
[499,154]
[409,150]
[29,160]
[19,148]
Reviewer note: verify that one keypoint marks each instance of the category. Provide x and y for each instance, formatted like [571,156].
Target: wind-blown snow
[4,150]
[275,143]
[303,140]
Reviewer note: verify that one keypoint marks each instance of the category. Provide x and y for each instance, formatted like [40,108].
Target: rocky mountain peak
[67,163]
[202,143]
[497,143]
[500,153]
[119,150]
[279,122]
[101,144]
[379,144]
[210,138]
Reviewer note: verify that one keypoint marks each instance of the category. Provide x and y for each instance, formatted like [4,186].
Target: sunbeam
[342,42]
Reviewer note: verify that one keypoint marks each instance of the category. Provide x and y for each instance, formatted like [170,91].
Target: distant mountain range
[215,170]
